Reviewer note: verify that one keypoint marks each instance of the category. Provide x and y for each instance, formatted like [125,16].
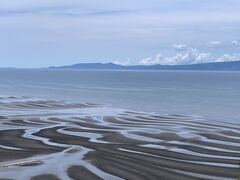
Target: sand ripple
[43,139]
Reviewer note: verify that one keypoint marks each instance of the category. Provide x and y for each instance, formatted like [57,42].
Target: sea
[78,124]
[210,94]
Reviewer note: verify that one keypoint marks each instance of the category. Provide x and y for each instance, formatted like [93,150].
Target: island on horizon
[214,66]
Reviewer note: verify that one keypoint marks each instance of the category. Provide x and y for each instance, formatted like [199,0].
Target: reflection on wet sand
[57,140]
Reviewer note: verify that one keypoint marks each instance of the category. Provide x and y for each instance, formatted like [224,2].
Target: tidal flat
[46,139]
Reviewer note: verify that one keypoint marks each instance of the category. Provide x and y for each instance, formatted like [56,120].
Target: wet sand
[57,140]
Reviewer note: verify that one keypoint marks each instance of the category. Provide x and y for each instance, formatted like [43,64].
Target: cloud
[228,57]
[180,47]
[235,43]
[215,44]
[123,63]
[221,44]
[60,11]
[158,59]
[58,32]
[190,56]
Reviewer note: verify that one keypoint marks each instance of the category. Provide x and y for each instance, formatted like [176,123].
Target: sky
[44,33]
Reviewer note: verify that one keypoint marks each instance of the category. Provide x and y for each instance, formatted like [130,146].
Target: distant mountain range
[216,66]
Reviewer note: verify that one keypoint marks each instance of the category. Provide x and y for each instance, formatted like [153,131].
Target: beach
[115,90]
[48,139]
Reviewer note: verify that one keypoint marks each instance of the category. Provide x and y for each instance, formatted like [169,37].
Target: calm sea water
[208,94]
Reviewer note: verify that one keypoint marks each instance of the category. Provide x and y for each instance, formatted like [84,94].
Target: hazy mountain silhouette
[218,66]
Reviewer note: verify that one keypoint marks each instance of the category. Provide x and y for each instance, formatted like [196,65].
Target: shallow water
[45,137]
[211,94]
[119,125]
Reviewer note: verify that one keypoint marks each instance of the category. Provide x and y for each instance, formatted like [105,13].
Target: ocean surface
[116,125]
[208,94]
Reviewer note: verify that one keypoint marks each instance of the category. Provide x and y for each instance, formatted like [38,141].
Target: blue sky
[44,33]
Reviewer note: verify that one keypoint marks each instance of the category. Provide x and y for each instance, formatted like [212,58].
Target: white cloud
[203,57]
[235,43]
[228,57]
[180,47]
[123,63]
[214,44]
[220,44]
[190,56]
[158,59]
